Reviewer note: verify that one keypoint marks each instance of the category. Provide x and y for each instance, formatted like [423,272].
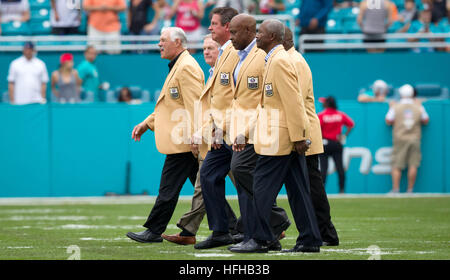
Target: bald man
[280,142]
[318,194]
[246,87]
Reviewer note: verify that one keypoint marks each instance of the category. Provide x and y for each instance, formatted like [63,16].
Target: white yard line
[51,218]
[145,199]
[211,255]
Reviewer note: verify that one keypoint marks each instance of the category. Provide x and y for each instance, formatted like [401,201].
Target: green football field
[387,228]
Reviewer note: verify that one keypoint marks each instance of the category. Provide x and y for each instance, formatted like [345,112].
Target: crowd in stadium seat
[28,77]
[380,91]
[40,17]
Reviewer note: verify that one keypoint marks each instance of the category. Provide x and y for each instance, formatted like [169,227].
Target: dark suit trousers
[177,169]
[333,149]
[270,174]
[192,219]
[320,200]
[243,168]
[215,167]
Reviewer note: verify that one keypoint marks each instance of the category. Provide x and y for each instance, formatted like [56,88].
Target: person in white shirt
[64,18]
[27,78]
[14,10]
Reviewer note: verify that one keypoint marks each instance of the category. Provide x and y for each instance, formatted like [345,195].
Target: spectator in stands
[27,78]
[64,19]
[394,12]
[406,118]
[104,22]
[205,22]
[343,4]
[65,81]
[188,14]
[377,92]
[238,5]
[423,22]
[423,25]
[438,10]
[375,17]
[407,15]
[164,14]
[313,17]
[266,7]
[331,122]
[88,73]
[138,22]
[126,96]
[14,10]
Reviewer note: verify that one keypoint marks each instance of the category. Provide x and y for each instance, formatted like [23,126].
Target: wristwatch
[308,142]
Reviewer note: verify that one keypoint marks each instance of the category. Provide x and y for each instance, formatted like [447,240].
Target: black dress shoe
[250,247]
[238,244]
[275,246]
[330,243]
[303,249]
[215,241]
[238,238]
[145,236]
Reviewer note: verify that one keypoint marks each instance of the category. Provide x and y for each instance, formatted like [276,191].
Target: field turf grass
[390,228]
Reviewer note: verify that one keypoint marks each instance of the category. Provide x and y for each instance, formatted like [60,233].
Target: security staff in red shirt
[331,122]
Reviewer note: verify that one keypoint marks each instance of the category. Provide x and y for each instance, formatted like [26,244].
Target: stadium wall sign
[379,164]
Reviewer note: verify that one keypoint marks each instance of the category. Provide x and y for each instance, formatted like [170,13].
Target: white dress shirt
[28,77]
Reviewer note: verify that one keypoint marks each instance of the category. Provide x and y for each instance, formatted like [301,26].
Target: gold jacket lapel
[246,63]
[171,74]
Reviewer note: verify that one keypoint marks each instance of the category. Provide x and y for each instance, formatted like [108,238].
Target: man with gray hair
[377,92]
[176,33]
[181,89]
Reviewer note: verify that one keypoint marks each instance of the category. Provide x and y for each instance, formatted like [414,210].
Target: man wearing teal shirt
[88,72]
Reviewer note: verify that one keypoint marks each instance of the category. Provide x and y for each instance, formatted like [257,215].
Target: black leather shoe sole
[238,238]
[275,246]
[303,249]
[249,247]
[241,250]
[245,249]
[236,245]
[136,237]
[326,243]
[214,243]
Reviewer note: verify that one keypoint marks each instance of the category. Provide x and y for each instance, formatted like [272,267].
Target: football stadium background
[60,163]
[86,149]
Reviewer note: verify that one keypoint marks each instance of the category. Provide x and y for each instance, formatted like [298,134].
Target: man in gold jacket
[210,118]
[190,222]
[246,87]
[318,194]
[280,135]
[172,122]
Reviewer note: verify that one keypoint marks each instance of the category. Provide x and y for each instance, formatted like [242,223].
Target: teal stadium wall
[339,74]
[84,149]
